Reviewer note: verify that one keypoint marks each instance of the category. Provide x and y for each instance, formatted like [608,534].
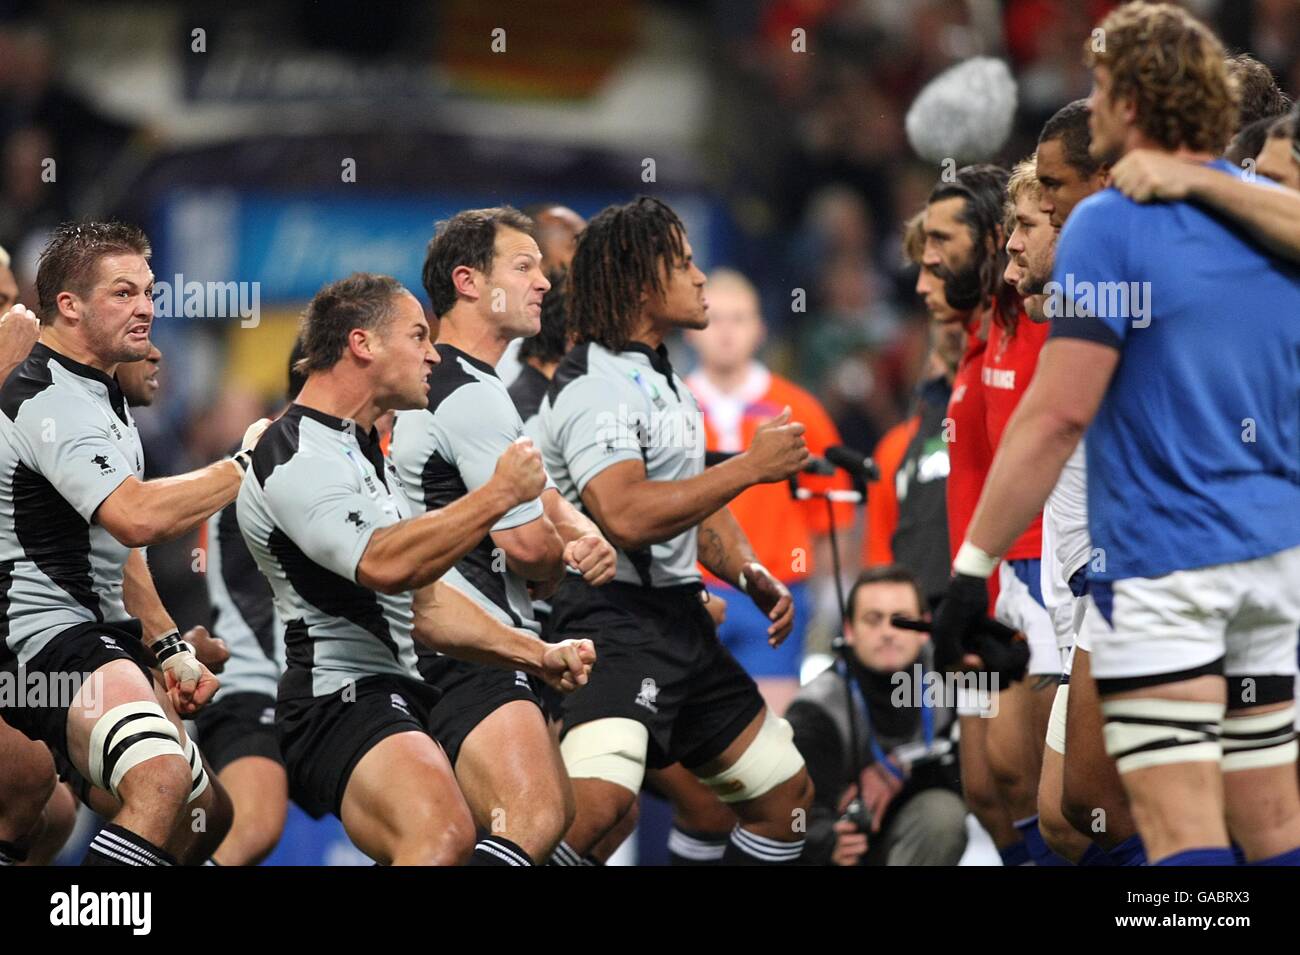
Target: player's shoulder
[588,374]
[301,449]
[460,376]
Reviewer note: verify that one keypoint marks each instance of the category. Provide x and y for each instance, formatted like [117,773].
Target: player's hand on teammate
[254,434]
[770,596]
[19,330]
[593,557]
[778,449]
[567,665]
[211,651]
[519,472]
[1146,175]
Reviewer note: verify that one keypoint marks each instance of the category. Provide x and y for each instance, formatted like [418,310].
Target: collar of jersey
[115,396]
[367,442]
[446,351]
[658,360]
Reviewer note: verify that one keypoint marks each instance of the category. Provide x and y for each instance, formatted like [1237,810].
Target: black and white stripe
[765,850]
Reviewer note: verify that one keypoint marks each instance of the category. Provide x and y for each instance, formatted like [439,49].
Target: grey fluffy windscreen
[964,113]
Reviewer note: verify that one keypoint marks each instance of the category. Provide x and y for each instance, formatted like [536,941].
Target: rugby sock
[1291,857]
[1095,855]
[1209,856]
[1016,854]
[696,848]
[748,848]
[11,854]
[1129,852]
[114,845]
[498,850]
[1239,854]
[563,855]
[1034,842]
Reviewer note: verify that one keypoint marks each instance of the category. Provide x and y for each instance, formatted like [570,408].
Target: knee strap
[198,775]
[1056,722]
[1259,740]
[612,749]
[1154,732]
[125,737]
[769,761]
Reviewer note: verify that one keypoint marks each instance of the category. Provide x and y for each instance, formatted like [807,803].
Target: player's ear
[463,278]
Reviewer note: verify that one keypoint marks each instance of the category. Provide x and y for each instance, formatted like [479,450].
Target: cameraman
[913,813]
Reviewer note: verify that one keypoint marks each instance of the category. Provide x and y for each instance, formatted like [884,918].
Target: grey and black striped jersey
[315,495]
[605,407]
[528,391]
[443,453]
[67,442]
[243,610]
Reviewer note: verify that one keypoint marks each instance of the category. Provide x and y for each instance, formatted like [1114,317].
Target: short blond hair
[1023,181]
[913,243]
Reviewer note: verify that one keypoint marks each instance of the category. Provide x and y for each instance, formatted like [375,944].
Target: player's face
[682,303]
[878,644]
[949,251]
[1062,187]
[735,330]
[513,297]
[1276,162]
[557,234]
[8,289]
[930,287]
[404,357]
[139,379]
[117,313]
[1032,246]
[1108,121]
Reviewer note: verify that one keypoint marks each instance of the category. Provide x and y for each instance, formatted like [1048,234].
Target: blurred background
[284,143]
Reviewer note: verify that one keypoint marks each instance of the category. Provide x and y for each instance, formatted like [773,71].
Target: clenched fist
[19,329]
[519,472]
[778,450]
[567,665]
[593,557]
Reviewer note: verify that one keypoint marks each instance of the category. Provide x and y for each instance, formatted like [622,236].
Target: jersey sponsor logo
[354,517]
[521,679]
[399,703]
[104,466]
[268,716]
[109,642]
[649,693]
[1003,379]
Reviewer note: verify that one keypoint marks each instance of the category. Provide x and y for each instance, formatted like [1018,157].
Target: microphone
[855,462]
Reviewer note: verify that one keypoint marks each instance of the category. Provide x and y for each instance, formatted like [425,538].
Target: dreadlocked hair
[620,258]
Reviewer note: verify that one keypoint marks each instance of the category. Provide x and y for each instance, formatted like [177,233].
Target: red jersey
[780,529]
[1008,367]
[969,455]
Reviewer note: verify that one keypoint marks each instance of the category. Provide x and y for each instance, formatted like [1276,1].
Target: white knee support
[198,776]
[769,761]
[1259,740]
[1154,732]
[612,749]
[125,737]
[1056,722]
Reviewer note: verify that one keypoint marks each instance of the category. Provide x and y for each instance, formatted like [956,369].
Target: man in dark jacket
[907,784]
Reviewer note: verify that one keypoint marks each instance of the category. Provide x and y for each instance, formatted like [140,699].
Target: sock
[1095,855]
[1213,855]
[1291,857]
[1016,854]
[11,854]
[1034,842]
[114,845]
[1239,854]
[564,855]
[695,848]
[1129,852]
[498,850]
[748,848]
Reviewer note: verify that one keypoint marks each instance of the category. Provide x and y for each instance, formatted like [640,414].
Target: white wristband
[974,562]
